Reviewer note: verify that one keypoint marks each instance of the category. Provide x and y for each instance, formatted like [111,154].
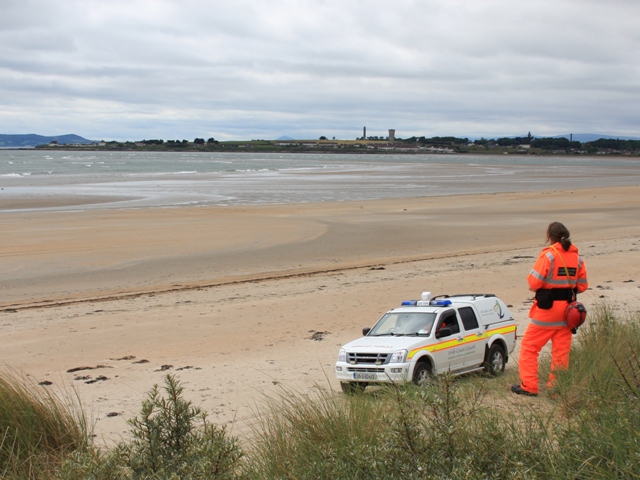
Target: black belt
[558,293]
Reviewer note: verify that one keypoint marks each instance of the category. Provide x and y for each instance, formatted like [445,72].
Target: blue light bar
[440,303]
[412,303]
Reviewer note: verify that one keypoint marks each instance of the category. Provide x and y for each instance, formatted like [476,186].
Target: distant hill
[284,138]
[33,140]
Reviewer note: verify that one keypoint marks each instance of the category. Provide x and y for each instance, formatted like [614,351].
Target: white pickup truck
[456,334]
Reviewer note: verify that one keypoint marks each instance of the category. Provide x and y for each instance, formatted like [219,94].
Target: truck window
[404,323]
[469,319]
[449,320]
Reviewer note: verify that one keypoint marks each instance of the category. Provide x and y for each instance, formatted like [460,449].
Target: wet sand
[230,299]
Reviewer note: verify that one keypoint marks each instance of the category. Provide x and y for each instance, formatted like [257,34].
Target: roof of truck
[446,300]
[489,307]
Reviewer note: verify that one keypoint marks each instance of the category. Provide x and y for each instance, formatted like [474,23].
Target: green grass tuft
[37,429]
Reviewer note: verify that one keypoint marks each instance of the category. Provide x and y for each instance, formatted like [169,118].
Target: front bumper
[392,373]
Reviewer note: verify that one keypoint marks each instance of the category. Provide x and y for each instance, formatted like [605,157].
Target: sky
[262,69]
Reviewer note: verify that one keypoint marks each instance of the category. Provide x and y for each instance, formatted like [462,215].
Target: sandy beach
[239,302]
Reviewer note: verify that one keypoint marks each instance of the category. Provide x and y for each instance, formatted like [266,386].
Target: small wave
[251,170]
[159,174]
[15,175]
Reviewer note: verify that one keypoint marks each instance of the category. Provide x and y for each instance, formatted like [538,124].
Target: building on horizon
[392,135]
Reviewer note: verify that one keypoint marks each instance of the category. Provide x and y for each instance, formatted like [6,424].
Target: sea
[130,179]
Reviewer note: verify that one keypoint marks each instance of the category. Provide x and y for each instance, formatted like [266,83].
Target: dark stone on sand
[319,336]
[142,361]
[77,369]
[112,414]
[97,379]
[45,383]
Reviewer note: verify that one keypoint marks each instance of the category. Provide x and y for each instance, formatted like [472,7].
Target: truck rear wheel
[353,388]
[495,362]
[422,374]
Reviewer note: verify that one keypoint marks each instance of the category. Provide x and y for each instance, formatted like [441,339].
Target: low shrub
[171,439]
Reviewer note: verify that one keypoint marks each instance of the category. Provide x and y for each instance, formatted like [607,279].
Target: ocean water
[167,179]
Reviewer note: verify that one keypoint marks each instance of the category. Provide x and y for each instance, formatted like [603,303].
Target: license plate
[365,376]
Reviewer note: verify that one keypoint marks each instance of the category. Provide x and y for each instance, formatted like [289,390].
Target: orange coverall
[548,324]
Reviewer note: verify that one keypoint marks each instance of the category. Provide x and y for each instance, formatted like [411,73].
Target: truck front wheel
[421,374]
[494,363]
[353,388]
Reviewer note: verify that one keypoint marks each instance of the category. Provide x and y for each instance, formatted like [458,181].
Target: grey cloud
[430,67]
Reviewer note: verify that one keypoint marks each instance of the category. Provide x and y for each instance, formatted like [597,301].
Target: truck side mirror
[444,332]
[365,331]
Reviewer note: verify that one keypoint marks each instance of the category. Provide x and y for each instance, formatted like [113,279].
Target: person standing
[557,276]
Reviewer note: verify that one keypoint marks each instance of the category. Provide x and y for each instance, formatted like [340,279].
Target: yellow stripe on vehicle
[468,339]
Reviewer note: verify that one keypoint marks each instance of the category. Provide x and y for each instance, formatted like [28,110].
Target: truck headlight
[398,357]
[342,355]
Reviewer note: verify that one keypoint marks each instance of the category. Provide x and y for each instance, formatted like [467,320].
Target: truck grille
[372,358]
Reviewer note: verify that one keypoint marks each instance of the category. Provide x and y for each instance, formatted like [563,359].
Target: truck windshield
[403,323]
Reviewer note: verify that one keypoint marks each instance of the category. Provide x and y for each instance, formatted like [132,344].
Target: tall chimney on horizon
[364,133]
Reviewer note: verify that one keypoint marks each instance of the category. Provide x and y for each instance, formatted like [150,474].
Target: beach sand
[242,302]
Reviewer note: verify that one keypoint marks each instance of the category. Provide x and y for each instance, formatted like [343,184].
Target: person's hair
[557,232]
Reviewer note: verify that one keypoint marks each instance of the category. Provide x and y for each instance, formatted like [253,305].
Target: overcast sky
[249,69]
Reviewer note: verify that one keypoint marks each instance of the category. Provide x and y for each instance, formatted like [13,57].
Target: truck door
[448,357]
[474,341]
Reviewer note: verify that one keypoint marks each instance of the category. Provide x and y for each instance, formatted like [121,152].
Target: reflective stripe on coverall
[548,272]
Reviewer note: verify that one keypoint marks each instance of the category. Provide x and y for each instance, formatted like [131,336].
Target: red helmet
[575,315]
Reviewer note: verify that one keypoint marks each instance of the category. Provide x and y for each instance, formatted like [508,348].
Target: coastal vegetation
[467,427]
[38,431]
[507,145]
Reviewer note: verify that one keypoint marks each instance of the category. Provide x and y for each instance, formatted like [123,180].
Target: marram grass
[37,429]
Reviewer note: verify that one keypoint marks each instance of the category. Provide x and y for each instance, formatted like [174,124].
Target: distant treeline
[449,144]
[179,143]
[550,143]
